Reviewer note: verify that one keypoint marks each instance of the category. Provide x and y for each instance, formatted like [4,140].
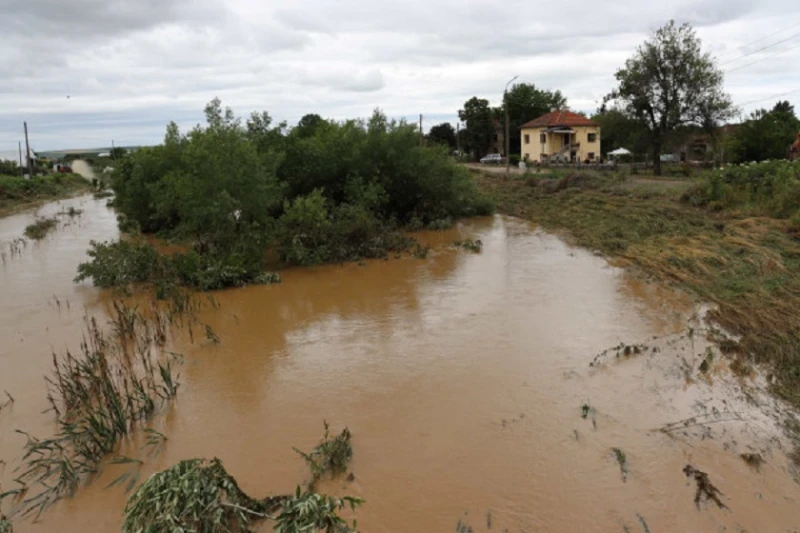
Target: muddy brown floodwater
[462,378]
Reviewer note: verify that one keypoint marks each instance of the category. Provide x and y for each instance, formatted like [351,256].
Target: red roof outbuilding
[560,118]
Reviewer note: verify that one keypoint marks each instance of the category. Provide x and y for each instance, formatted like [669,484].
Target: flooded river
[461,376]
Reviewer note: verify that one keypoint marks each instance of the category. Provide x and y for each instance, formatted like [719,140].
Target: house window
[527,156]
[591,156]
[592,137]
[527,139]
[542,138]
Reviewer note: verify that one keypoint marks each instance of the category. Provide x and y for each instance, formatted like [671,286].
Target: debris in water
[200,495]
[622,459]
[587,410]
[753,459]
[701,420]
[644,524]
[705,366]
[705,489]
[331,455]
[6,403]
[473,246]
[463,527]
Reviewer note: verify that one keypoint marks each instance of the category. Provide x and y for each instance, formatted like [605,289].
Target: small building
[498,144]
[560,136]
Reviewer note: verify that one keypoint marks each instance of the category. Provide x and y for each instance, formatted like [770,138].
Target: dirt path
[83,168]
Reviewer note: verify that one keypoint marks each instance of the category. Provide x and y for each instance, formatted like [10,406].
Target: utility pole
[28,151]
[458,137]
[420,129]
[21,168]
[507,139]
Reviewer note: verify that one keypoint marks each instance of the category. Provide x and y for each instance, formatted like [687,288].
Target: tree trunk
[657,157]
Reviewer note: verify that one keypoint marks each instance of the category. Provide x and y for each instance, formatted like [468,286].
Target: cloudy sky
[84,72]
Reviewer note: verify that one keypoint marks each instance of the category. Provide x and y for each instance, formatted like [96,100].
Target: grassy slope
[17,192]
[748,266]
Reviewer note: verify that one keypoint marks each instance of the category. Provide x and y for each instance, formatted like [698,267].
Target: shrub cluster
[320,192]
[770,188]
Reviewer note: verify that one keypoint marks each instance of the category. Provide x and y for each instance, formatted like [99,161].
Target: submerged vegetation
[730,236]
[16,191]
[321,192]
[331,456]
[123,263]
[39,229]
[116,383]
[200,495]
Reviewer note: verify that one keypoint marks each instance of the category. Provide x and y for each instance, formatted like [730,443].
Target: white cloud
[130,67]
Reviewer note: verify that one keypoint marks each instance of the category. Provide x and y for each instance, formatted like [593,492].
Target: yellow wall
[555,142]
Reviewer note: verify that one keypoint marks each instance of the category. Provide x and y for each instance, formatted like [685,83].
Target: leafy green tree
[308,124]
[331,191]
[443,134]
[670,82]
[525,103]
[767,134]
[117,152]
[480,130]
[620,130]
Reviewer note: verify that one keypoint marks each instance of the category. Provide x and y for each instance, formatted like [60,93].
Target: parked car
[492,159]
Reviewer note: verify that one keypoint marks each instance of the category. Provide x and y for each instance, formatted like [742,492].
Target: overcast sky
[84,72]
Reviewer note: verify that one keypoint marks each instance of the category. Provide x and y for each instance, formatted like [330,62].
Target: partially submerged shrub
[39,229]
[98,399]
[334,192]
[474,246]
[122,263]
[194,495]
[309,512]
[331,455]
[201,496]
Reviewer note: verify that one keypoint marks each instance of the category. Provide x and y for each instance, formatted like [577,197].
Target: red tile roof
[559,118]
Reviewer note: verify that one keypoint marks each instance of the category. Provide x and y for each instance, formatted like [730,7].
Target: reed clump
[331,455]
[114,384]
[200,495]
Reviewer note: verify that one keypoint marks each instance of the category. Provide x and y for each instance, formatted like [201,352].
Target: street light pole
[507,139]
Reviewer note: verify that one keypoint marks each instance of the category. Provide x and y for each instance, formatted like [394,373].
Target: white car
[492,159]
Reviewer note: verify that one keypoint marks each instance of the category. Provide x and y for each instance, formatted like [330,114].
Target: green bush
[18,189]
[337,191]
[117,264]
[770,188]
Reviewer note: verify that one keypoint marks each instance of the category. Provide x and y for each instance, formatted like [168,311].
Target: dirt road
[83,168]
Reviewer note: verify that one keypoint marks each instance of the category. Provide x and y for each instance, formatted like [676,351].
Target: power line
[759,40]
[771,97]
[761,49]
[761,59]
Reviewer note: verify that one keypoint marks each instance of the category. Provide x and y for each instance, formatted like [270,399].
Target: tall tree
[670,82]
[619,130]
[767,134]
[443,134]
[308,125]
[479,118]
[525,103]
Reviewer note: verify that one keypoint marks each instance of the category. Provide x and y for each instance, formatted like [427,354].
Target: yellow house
[561,136]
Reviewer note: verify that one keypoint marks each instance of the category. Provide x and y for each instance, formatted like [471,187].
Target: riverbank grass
[17,192]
